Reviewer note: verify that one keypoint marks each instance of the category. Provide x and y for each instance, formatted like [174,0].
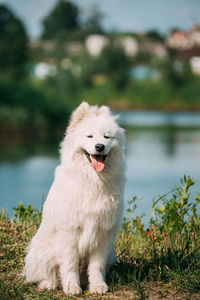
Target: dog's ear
[104,109]
[79,114]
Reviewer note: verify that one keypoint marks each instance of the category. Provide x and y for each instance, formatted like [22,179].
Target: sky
[119,15]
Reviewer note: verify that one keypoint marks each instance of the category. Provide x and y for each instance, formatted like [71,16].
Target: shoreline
[26,131]
[176,107]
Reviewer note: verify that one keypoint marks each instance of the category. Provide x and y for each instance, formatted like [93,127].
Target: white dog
[83,209]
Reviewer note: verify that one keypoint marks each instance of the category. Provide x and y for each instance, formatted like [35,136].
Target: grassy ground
[162,262]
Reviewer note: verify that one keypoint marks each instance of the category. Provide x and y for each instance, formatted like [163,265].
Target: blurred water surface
[161,148]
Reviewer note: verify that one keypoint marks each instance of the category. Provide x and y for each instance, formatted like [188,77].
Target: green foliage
[162,95]
[129,223]
[190,91]
[155,35]
[66,89]
[92,25]
[114,63]
[3,214]
[21,212]
[13,45]
[142,58]
[88,68]
[175,72]
[177,215]
[61,22]
[47,104]
[28,103]
[169,249]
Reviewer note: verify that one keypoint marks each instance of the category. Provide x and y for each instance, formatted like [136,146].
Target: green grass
[159,95]
[162,261]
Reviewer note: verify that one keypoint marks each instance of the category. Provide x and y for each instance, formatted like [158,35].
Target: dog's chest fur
[85,202]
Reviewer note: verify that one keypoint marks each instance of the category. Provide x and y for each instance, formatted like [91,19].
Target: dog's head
[95,135]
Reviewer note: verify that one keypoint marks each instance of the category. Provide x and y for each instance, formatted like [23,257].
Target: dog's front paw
[100,289]
[46,285]
[72,290]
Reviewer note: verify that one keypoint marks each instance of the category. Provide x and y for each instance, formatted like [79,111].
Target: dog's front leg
[97,270]
[69,272]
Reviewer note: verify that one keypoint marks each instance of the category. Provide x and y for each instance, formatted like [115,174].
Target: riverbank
[162,261]
[147,95]
[42,107]
[13,133]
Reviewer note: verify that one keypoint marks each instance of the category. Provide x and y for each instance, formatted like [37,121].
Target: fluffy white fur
[83,209]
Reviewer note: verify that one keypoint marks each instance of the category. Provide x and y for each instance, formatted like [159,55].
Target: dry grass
[160,263]
[123,284]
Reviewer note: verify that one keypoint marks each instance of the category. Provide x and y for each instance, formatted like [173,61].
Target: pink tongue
[97,162]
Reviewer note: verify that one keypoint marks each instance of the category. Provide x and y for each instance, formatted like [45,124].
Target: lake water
[161,148]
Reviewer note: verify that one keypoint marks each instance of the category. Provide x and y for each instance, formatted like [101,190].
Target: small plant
[169,248]
[3,215]
[21,212]
[177,214]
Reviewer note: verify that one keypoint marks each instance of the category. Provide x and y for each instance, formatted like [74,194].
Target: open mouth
[97,161]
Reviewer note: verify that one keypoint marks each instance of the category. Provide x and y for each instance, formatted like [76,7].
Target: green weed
[169,249]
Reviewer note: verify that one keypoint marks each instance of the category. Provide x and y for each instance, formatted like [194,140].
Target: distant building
[194,36]
[72,48]
[95,43]
[186,45]
[156,49]
[179,39]
[129,44]
[195,65]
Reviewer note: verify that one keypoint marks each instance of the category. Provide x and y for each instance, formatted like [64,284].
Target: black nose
[99,147]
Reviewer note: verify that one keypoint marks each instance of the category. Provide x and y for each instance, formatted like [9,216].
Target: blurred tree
[92,24]
[175,71]
[155,35]
[114,63]
[13,45]
[143,58]
[61,22]
[64,86]
[88,66]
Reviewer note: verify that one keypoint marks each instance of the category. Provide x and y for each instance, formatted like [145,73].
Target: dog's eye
[89,136]
[106,137]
